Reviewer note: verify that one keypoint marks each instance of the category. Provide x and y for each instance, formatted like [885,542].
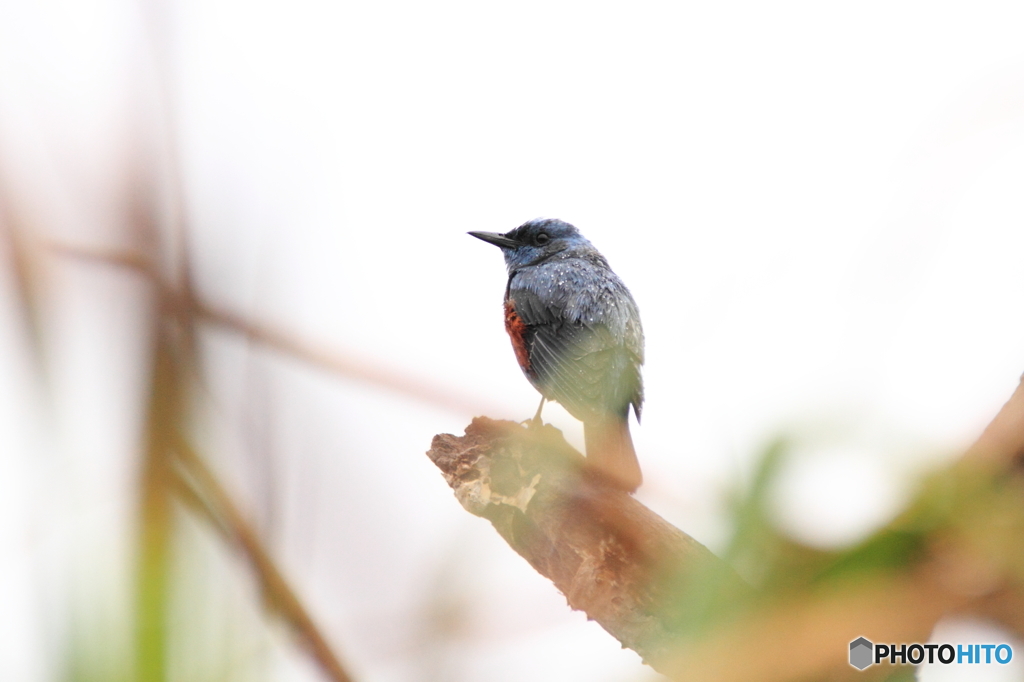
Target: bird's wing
[583,367]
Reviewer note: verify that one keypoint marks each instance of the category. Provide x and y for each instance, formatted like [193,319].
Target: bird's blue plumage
[583,330]
[574,325]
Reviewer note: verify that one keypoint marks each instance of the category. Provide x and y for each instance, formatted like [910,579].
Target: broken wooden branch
[612,557]
[955,550]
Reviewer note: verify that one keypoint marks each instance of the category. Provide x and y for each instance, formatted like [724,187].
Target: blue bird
[576,333]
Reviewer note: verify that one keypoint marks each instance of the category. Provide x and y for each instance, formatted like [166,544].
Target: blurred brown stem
[347,365]
[199,487]
[172,466]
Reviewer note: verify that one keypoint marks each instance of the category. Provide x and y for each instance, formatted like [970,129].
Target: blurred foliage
[961,541]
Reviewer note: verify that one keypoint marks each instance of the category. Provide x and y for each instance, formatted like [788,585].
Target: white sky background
[818,209]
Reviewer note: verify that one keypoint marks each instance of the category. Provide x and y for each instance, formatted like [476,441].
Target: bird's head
[535,241]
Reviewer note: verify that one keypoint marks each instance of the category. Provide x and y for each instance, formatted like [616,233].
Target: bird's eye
[541,239]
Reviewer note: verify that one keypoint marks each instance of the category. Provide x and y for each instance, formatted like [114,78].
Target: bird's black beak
[496,239]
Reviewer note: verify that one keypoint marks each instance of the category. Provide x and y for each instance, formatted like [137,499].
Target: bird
[576,333]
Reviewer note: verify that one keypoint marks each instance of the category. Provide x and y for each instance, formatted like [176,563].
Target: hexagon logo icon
[861,653]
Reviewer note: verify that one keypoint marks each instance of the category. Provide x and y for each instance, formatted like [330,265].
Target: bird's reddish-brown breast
[516,329]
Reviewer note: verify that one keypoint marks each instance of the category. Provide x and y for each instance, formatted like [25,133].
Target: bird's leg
[537,421]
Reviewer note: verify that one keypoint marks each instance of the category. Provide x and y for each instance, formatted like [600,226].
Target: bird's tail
[610,451]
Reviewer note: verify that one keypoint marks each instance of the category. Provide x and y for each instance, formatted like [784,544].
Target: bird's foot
[536,421]
[533,422]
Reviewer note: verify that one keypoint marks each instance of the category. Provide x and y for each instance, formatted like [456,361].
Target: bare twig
[346,364]
[343,364]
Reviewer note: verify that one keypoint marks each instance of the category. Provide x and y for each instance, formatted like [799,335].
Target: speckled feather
[582,327]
